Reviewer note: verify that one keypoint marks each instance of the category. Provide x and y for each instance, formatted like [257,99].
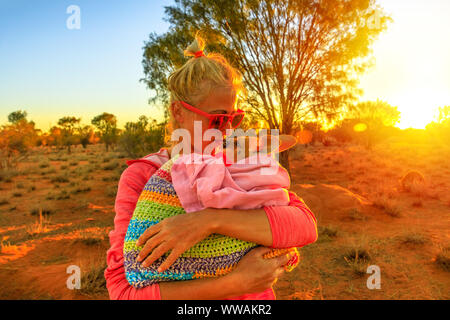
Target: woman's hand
[177,233]
[254,273]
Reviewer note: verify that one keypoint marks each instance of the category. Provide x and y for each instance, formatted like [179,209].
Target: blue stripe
[137,227]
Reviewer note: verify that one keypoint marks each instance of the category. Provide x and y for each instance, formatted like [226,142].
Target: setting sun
[412,69]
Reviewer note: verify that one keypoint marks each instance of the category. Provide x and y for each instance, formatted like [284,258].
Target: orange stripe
[160,198]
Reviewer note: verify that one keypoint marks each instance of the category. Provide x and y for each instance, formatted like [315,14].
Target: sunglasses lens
[216,122]
[237,120]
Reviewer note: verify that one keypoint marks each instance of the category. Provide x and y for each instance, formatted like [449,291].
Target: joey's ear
[277,143]
[286,142]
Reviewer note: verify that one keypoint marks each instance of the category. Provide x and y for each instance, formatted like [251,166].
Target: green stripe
[150,210]
[213,246]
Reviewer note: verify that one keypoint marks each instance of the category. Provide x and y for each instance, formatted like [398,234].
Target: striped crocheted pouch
[214,256]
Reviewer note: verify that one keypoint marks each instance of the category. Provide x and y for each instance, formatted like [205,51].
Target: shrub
[443,259]
[142,137]
[93,281]
[81,190]
[357,259]
[110,166]
[60,179]
[413,239]
[326,233]
[43,211]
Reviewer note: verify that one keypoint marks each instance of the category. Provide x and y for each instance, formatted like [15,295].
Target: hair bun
[195,47]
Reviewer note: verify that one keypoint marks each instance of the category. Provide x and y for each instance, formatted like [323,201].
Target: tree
[85,135]
[443,116]
[68,126]
[373,118]
[55,137]
[299,58]
[106,123]
[440,129]
[142,137]
[17,116]
[16,139]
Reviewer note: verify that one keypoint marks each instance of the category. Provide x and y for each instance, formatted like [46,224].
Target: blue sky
[52,71]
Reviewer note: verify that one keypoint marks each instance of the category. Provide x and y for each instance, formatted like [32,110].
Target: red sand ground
[354,193]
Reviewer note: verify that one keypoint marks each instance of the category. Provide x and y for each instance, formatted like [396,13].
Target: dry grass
[327,233]
[443,259]
[93,281]
[40,226]
[357,259]
[413,239]
[388,206]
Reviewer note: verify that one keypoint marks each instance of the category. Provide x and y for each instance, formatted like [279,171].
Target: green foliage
[299,59]
[85,135]
[67,133]
[106,123]
[16,139]
[142,137]
[16,116]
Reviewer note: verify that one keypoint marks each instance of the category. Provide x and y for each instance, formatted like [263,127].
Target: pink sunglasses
[218,121]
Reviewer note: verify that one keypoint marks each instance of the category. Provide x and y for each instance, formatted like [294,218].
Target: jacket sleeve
[131,183]
[293,225]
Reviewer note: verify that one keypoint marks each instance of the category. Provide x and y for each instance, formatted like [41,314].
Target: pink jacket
[206,182]
[293,225]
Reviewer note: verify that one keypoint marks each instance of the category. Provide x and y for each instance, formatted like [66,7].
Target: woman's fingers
[148,233]
[283,259]
[261,251]
[148,247]
[157,253]
[169,260]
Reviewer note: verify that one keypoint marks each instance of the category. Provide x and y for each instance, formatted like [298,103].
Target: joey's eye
[216,122]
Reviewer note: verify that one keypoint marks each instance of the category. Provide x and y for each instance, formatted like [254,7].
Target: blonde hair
[195,80]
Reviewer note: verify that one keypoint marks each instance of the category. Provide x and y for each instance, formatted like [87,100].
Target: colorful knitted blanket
[214,256]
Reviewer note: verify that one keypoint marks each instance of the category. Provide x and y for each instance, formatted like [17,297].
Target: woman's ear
[177,113]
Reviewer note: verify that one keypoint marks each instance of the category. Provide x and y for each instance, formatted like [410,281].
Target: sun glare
[418,108]
[411,61]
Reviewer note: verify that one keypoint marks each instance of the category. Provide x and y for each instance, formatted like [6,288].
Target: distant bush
[43,211]
[142,137]
[439,130]
[16,139]
[368,123]
[60,179]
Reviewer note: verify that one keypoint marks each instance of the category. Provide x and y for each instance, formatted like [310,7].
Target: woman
[205,84]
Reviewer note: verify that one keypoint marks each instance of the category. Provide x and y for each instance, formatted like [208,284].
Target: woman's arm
[278,227]
[292,226]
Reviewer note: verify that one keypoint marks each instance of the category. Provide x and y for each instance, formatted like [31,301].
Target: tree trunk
[284,160]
